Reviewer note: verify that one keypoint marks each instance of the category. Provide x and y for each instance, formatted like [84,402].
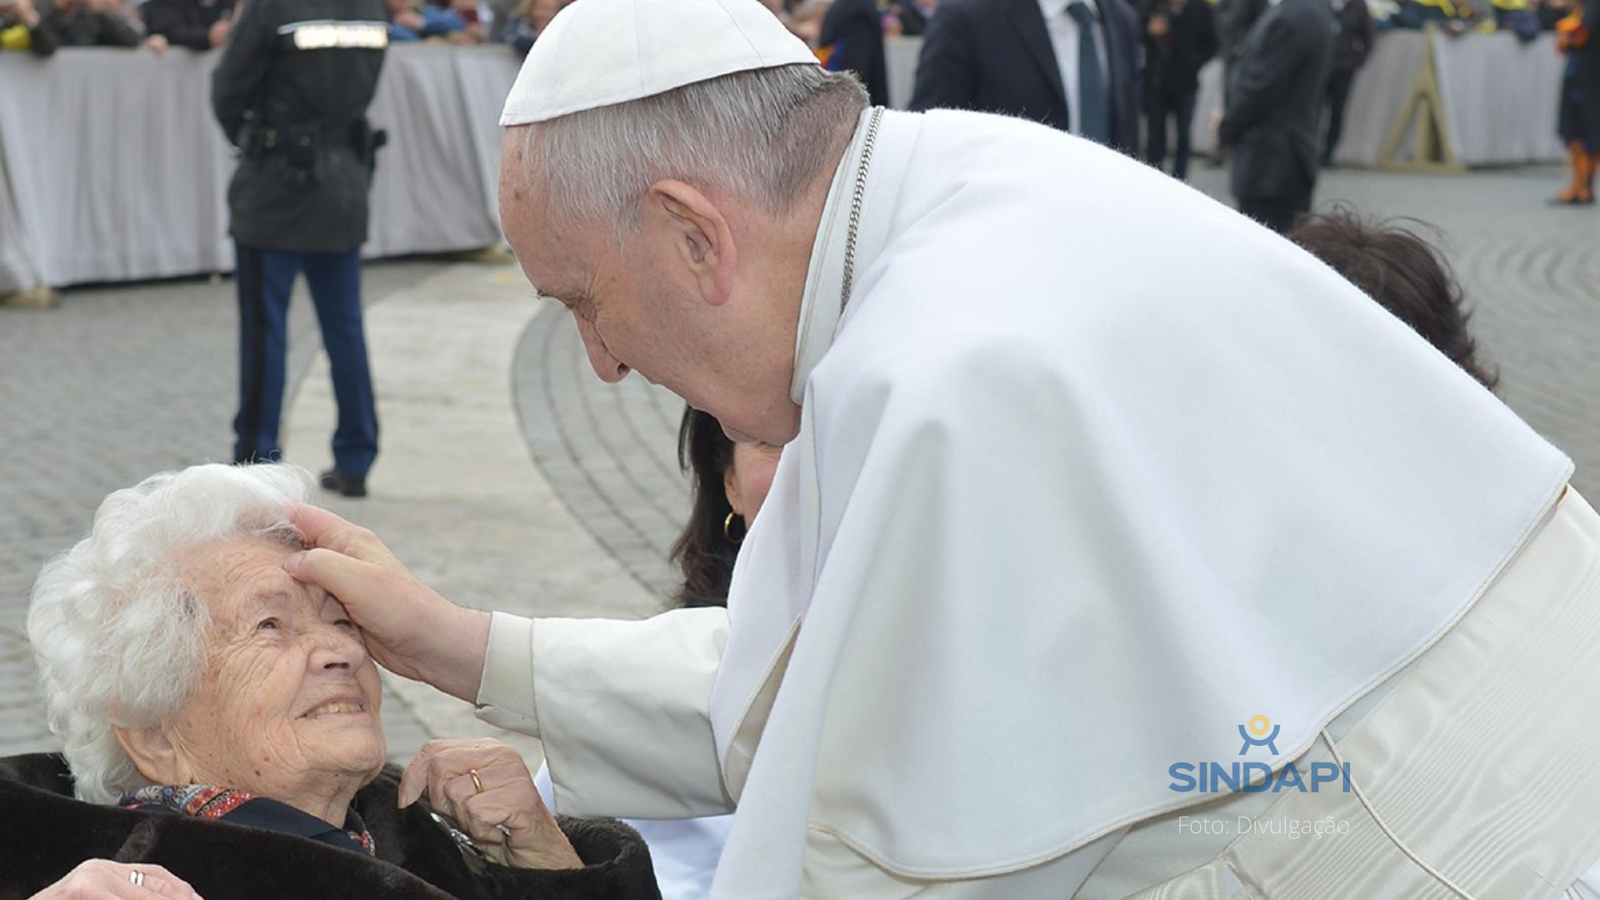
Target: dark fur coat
[45,833]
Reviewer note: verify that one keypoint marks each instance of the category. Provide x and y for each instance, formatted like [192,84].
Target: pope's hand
[102,879]
[410,629]
[485,787]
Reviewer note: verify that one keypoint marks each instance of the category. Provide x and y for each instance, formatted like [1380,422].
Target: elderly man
[1054,530]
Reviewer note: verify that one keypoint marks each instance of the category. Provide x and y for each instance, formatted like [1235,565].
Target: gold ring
[477,786]
[136,878]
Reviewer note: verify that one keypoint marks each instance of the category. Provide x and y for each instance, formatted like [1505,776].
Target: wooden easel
[1424,107]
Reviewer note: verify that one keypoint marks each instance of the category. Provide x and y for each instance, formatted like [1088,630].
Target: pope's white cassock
[1092,473]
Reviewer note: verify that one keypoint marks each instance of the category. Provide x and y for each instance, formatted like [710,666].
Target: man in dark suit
[1274,103]
[1033,58]
[1180,36]
[852,38]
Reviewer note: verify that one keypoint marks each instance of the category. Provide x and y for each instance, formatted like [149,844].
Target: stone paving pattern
[122,381]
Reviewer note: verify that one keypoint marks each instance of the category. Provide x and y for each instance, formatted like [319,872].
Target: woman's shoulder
[46,832]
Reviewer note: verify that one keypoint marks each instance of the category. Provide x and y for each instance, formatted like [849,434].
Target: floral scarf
[244,808]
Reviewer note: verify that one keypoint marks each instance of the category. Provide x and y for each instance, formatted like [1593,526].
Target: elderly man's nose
[610,369]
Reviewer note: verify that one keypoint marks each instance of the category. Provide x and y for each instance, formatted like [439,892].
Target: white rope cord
[1355,788]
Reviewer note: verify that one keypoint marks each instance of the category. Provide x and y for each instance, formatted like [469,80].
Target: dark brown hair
[1403,272]
[702,549]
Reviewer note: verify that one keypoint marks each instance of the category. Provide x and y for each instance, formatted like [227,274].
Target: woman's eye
[267,625]
[344,623]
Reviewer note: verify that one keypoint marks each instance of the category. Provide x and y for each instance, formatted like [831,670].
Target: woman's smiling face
[288,707]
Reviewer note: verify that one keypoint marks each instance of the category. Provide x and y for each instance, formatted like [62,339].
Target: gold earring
[727,529]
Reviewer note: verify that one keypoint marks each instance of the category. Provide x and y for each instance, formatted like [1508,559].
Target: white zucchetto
[599,53]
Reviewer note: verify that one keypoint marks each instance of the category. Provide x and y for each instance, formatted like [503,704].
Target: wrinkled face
[624,325]
[288,707]
[749,478]
[639,307]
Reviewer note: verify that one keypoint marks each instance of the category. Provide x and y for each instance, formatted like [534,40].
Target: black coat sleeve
[616,867]
[948,68]
[1204,31]
[43,39]
[1125,45]
[1260,78]
[245,65]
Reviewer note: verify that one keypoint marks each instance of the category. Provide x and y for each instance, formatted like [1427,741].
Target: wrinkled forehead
[233,576]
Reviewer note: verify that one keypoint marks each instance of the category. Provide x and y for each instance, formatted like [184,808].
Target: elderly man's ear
[152,753]
[697,236]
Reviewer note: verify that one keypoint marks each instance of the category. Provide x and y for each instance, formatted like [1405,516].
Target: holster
[366,141]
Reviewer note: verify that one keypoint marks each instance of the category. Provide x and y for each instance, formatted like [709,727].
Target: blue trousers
[265,279]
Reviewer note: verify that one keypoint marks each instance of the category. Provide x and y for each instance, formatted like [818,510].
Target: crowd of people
[1146,87]
[44,26]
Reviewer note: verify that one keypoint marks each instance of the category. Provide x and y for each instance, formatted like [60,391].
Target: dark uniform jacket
[1275,100]
[291,92]
[45,833]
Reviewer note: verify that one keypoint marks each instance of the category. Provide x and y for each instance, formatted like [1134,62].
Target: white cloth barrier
[114,168]
[1502,97]
[111,167]
[1499,96]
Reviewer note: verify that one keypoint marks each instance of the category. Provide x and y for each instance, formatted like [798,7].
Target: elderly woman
[221,732]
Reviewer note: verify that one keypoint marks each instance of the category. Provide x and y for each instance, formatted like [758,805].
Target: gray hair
[763,135]
[118,638]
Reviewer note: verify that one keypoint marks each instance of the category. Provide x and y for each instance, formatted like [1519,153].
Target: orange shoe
[1582,165]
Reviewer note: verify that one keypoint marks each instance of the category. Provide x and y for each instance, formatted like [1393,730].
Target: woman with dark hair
[728,483]
[1404,273]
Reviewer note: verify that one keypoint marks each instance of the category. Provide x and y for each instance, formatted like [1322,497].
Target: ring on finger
[477,786]
[136,878]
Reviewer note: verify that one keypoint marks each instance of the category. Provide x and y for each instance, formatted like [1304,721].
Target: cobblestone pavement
[120,382]
[114,384]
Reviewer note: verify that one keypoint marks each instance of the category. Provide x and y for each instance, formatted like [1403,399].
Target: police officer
[291,93]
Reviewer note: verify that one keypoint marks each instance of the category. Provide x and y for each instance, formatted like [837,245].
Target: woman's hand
[99,879]
[410,629]
[485,786]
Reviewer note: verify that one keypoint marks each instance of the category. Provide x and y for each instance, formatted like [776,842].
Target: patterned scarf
[244,808]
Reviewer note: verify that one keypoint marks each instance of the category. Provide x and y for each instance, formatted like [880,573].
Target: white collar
[820,306]
[1052,8]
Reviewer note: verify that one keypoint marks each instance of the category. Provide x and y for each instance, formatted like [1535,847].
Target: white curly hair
[118,638]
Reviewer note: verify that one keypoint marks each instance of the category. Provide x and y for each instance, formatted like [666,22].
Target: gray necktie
[1094,120]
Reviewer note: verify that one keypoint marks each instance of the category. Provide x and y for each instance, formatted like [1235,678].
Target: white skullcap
[602,52]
